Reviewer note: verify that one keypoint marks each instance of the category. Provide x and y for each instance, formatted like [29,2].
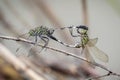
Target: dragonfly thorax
[31,32]
[42,30]
[84,39]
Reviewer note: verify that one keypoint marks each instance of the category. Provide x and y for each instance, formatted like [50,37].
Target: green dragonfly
[45,34]
[88,45]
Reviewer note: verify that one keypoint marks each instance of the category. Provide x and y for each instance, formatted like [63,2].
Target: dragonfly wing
[88,56]
[92,42]
[99,54]
[26,36]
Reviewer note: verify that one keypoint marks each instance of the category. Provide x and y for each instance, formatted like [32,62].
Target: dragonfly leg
[35,38]
[46,40]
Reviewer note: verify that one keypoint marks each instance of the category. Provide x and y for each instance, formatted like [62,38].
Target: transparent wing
[99,54]
[21,50]
[22,36]
[26,36]
[92,42]
[88,56]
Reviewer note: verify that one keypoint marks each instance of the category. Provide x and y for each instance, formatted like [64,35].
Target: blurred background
[101,16]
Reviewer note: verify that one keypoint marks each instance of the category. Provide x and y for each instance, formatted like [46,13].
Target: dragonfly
[45,33]
[88,45]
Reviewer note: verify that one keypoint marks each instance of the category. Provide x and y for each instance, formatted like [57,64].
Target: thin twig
[105,75]
[84,12]
[98,77]
[63,52]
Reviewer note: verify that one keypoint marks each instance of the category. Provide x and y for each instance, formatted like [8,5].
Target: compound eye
[83,27]
[81,31]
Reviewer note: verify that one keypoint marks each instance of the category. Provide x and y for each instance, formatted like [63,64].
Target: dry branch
[63,52]
[18,64]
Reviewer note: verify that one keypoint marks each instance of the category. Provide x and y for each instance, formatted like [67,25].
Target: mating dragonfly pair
[86,44]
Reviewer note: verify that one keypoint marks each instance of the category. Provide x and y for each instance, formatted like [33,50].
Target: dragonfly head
[82,29]
[31,32]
